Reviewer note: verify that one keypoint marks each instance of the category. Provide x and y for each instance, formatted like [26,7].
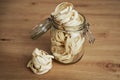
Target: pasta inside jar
[66,46]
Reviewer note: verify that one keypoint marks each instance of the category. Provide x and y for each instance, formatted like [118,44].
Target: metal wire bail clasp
[89,34]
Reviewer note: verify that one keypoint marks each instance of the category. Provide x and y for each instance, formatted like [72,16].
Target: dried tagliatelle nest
[41,62]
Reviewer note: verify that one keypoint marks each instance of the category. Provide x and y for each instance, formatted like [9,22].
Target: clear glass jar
[67,44]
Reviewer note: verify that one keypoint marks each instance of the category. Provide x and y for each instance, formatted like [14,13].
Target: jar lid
[40,29]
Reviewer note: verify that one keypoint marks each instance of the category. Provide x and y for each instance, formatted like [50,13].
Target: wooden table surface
[101,61]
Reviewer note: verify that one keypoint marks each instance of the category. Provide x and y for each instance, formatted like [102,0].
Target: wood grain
[101,60]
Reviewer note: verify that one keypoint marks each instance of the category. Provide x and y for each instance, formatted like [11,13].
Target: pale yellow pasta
[41,62]
[66,44]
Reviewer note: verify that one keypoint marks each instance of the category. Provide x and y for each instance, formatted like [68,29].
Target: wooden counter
[101,61]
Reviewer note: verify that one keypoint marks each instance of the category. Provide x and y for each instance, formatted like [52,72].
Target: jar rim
[57,24]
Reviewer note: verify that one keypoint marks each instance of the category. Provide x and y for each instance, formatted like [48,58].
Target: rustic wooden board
[101,60]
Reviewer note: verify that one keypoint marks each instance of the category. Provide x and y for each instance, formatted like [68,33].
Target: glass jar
[67,44]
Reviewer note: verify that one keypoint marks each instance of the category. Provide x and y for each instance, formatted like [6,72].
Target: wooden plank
[100,61]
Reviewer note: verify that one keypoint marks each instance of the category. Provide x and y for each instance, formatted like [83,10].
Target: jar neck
[61,26]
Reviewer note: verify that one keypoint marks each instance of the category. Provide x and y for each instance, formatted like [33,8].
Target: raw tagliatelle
[41,62]
[66,45]
[66,15]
